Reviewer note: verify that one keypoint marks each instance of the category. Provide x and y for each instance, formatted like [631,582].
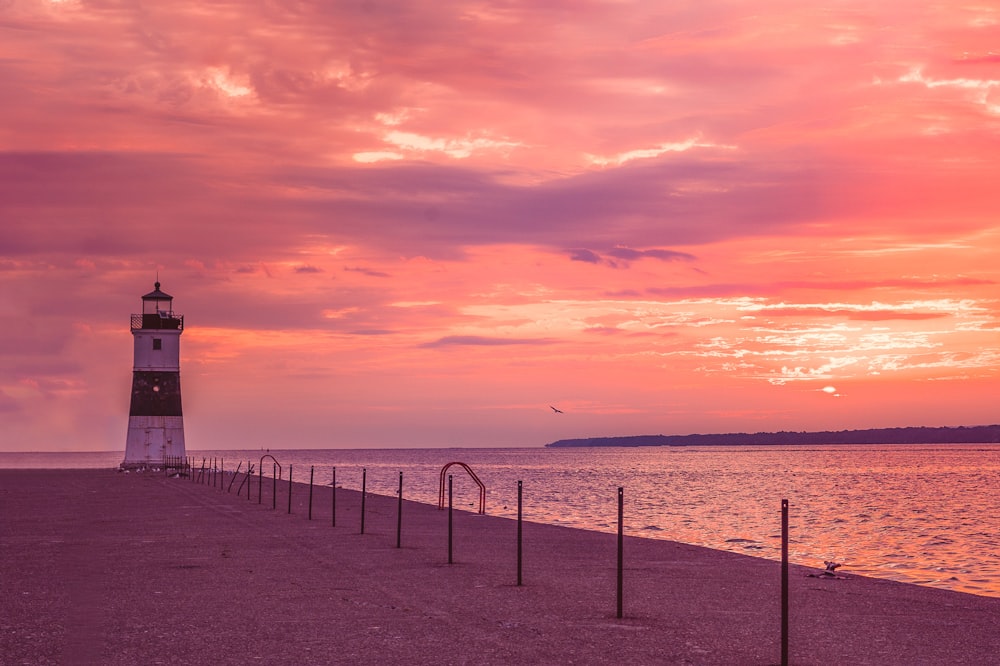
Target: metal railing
[482,487]
[168,321]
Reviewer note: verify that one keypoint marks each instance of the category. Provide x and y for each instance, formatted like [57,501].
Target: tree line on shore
[988,434]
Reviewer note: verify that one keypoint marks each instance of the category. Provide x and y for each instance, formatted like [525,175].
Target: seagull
[829,572]
[557,411]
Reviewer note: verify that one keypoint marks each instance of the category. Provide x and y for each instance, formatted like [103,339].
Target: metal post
[333,499]
[449,520]
[249,479]
[233,480]
[364,478]
[311,468]
[621,544]
[289,488]
[260,485]
[399,514]
[519,532]
[222,472]
[274,486]
[784,582]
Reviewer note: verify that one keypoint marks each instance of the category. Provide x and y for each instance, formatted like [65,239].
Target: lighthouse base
[154,441]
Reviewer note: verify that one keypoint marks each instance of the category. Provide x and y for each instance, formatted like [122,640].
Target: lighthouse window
[157,343]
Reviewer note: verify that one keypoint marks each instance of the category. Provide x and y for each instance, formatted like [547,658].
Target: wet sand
[107,568]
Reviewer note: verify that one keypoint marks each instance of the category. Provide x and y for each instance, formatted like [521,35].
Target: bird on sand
[829,572]
[557,411]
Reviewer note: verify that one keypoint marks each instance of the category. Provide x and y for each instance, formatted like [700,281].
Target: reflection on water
[923,514]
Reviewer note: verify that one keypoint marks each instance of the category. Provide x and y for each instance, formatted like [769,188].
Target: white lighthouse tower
[155,422]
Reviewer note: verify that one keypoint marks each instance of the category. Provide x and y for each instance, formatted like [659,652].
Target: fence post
[235,474]
[519,503]
[449,519]
[333,499]
[784,582]
[399,514]
[621,546]
[289,488]
[364,478]
[311,469]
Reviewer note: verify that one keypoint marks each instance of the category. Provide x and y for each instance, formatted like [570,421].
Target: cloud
[366,271]
[584,255]
[481,341]
[619,257]
[797,192]
[8,405]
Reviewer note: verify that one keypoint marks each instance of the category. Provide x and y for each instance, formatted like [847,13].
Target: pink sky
[421,224]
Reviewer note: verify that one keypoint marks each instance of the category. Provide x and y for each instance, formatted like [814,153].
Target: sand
[101,567]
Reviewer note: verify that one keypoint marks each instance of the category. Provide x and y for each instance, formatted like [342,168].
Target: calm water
[923,514]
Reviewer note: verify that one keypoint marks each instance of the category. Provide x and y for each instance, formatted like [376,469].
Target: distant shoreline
[989,434]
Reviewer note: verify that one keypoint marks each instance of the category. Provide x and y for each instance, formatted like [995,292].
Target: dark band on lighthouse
[155,394]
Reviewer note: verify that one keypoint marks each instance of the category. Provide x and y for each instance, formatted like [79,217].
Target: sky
[415,224]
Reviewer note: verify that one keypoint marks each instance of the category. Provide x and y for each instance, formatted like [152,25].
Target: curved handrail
[482,488]
[268,455]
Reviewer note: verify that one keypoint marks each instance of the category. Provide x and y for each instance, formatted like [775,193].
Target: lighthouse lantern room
[155,422]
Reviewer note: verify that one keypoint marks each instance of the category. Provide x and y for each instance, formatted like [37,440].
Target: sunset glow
[421,224]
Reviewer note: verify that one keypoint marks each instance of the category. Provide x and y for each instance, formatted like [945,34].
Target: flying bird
[557,411]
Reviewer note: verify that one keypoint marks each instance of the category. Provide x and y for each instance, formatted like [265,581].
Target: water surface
[924,514]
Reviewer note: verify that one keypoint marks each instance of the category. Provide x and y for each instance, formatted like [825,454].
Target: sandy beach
[101,567]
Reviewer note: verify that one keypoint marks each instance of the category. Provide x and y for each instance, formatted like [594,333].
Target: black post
[399,514]
[333,499]
[246,481]
[621,545]
[260,485]
[249,478]
[289,488]
[235,474]
[519,532]
[274,486]
[449,520]
[311,468]
[784,582]
[222,473]
[364,481]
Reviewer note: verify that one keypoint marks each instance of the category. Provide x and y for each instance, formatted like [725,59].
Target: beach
[101,567]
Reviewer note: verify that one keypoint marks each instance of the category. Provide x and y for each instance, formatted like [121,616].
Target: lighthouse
[155,423]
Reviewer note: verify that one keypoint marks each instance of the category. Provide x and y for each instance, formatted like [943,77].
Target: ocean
[926,514]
